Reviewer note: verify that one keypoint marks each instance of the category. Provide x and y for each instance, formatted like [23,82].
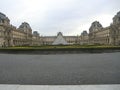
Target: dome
[25,25]
[35,33]
[84,33]
[95,26]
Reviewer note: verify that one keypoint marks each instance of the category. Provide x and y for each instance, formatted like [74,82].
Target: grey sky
[68,16]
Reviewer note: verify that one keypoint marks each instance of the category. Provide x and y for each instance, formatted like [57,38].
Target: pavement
[60,87]
[70,69]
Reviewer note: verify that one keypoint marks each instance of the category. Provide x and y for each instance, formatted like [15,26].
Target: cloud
[68,16]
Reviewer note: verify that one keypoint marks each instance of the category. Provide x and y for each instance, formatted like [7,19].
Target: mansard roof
[25,25]
[84,33]
[116,18]
[3,17]
[95,25]
[35,33]
[118,13]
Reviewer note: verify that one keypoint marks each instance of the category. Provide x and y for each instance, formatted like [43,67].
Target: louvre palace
[10,35]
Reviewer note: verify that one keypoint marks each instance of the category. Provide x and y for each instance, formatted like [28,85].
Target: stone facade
[5,31]
[84,38]
[48,40]
[98,35]
[36,40]
[23,36]
[95,28]
[115,30]
[12,36]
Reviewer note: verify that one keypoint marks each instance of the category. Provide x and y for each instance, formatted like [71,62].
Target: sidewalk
[60,87]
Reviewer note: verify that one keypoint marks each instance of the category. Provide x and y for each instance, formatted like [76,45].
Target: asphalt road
[64,69]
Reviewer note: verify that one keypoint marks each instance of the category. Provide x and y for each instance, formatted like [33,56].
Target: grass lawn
[62,47]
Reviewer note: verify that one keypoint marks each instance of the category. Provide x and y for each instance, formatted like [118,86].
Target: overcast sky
[68,16]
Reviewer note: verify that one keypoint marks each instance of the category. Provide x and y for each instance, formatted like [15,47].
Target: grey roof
[25,25]
[2,16]
[95,24]
[116,18]
[84,33]
[35,33]
[118,14]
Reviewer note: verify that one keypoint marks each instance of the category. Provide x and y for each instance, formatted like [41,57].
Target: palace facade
[49,40]
[99,35]
[24,36]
